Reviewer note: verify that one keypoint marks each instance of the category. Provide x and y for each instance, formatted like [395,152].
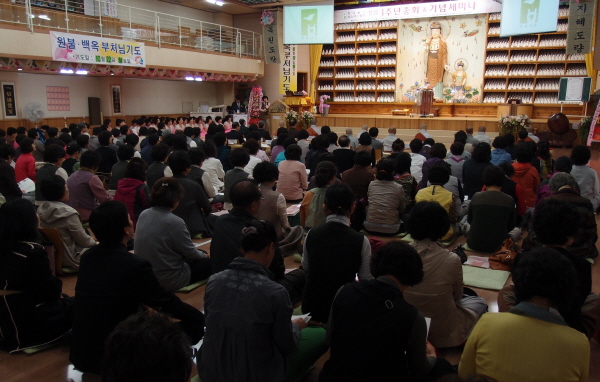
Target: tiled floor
[53,365]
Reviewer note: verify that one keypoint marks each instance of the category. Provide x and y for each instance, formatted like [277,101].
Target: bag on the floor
[460,251]
[504,257]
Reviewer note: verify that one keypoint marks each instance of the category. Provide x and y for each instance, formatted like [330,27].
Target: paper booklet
[478,261]
[293,210]
[306,317]
[26,185]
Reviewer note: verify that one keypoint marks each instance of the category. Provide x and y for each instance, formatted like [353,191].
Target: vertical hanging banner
[271,37]
[288,80]
[9,100]
[581,25]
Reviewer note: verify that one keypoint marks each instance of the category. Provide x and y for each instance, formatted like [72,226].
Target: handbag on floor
[505,256]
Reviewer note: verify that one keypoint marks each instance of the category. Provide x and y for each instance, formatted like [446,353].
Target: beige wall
[170,8]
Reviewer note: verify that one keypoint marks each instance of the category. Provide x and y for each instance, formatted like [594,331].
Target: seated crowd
[127,203]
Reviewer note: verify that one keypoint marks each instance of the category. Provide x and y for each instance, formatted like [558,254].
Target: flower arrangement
[584,128]
[267,18]
[291,115]
[254,103]
[511,124]
[323,103]
[307,118]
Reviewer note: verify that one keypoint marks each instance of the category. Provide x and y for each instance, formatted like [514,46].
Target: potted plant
[323,105]
[290,116]
[511,124]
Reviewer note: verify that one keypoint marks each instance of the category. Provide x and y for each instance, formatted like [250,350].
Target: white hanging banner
[413,11]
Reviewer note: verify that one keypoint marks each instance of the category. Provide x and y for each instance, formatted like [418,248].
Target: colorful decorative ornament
[267,18]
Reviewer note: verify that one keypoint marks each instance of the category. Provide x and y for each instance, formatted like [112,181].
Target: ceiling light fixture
[216,2]
[66,71]
[189,78]
[82,72]
[198,79]
[19,69]
[45,17]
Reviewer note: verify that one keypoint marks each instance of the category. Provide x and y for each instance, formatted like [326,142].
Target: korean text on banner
[271,41]
[83,49]
[581,25]
[288,77]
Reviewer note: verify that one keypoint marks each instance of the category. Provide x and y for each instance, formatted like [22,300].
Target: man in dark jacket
[8,184]
[114,284]
[109,156]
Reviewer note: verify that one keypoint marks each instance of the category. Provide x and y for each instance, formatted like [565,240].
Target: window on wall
[302,84]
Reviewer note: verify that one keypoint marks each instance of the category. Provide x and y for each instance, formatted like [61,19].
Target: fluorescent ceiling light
[198,79]
[189,78]
[45,17]
[19,68]
[215,2]
[66,71]
[81,71]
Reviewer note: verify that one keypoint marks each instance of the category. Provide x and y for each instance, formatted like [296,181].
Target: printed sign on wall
[96,50]
[271,41]
[581,26]
[9,100]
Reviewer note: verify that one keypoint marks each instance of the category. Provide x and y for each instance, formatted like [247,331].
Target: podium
[426,102]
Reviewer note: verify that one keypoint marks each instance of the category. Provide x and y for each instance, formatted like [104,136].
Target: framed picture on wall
[115,91]
[9,100]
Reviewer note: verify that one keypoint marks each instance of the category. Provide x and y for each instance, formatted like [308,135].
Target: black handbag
[460,251]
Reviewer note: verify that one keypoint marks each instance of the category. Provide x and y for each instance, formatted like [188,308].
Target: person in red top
[526,176]
[132,190]
[25,166]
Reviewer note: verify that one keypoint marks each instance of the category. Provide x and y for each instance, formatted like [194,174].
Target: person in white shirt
[213,166]
[482,137]
[353,140]
[303,143]
[586,177]
[253,148]
[531,135]
[417,160]
[389,140]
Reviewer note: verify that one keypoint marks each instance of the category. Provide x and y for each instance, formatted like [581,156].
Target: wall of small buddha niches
[387,61]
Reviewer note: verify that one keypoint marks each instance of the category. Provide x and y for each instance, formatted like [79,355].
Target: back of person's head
[460,136]
[522,134]
[179,142]
[293,152]
[219,139]
[188,131]
[363,158]
[499,142]
[239,157]
[428,220]
[136,169]
[322,142]
[339,199]
[265,172]
[65,138]
[400,260]
[143,131]
[244,193]
[104,138]
[18,222]
[109,221]
[302,134]
[365,139]
[53,153]
[252,146]
[438,150]
[253,127]
[159,152]
[482,129]
[147,347]
[524,155]
[32,133]
[581,155]
[398,146]
[26,145]
[544,272]
[560,180]
[83,140]
[325,173]
[482,152]
[439,174]
[385,169]
[22,131]
[197,155]
[563,164]
[261,125]
[429,141]
[532,146]
[6,151]
[457,148]
[179,162]
[153,139]
[510,139]
[209,149]
[166,192]
[288,141]
[90,159]
[281,131]
[125,152]
[53,189]
[543,150]
[373,132]
[11,131]
[116,133]
[325,130]
[403,163]
[52,132]
[555,221]
[257,235]
[493,176]
[132,139]
[416,145]
[333,138]
[529,129]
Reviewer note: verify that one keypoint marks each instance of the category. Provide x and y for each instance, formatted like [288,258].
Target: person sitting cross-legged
[132,189]
[373,333]
[440,295]
[163,239]
[250,336]
[239,158]
[547,350]
[333,254]
[386,202]
[113,284]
